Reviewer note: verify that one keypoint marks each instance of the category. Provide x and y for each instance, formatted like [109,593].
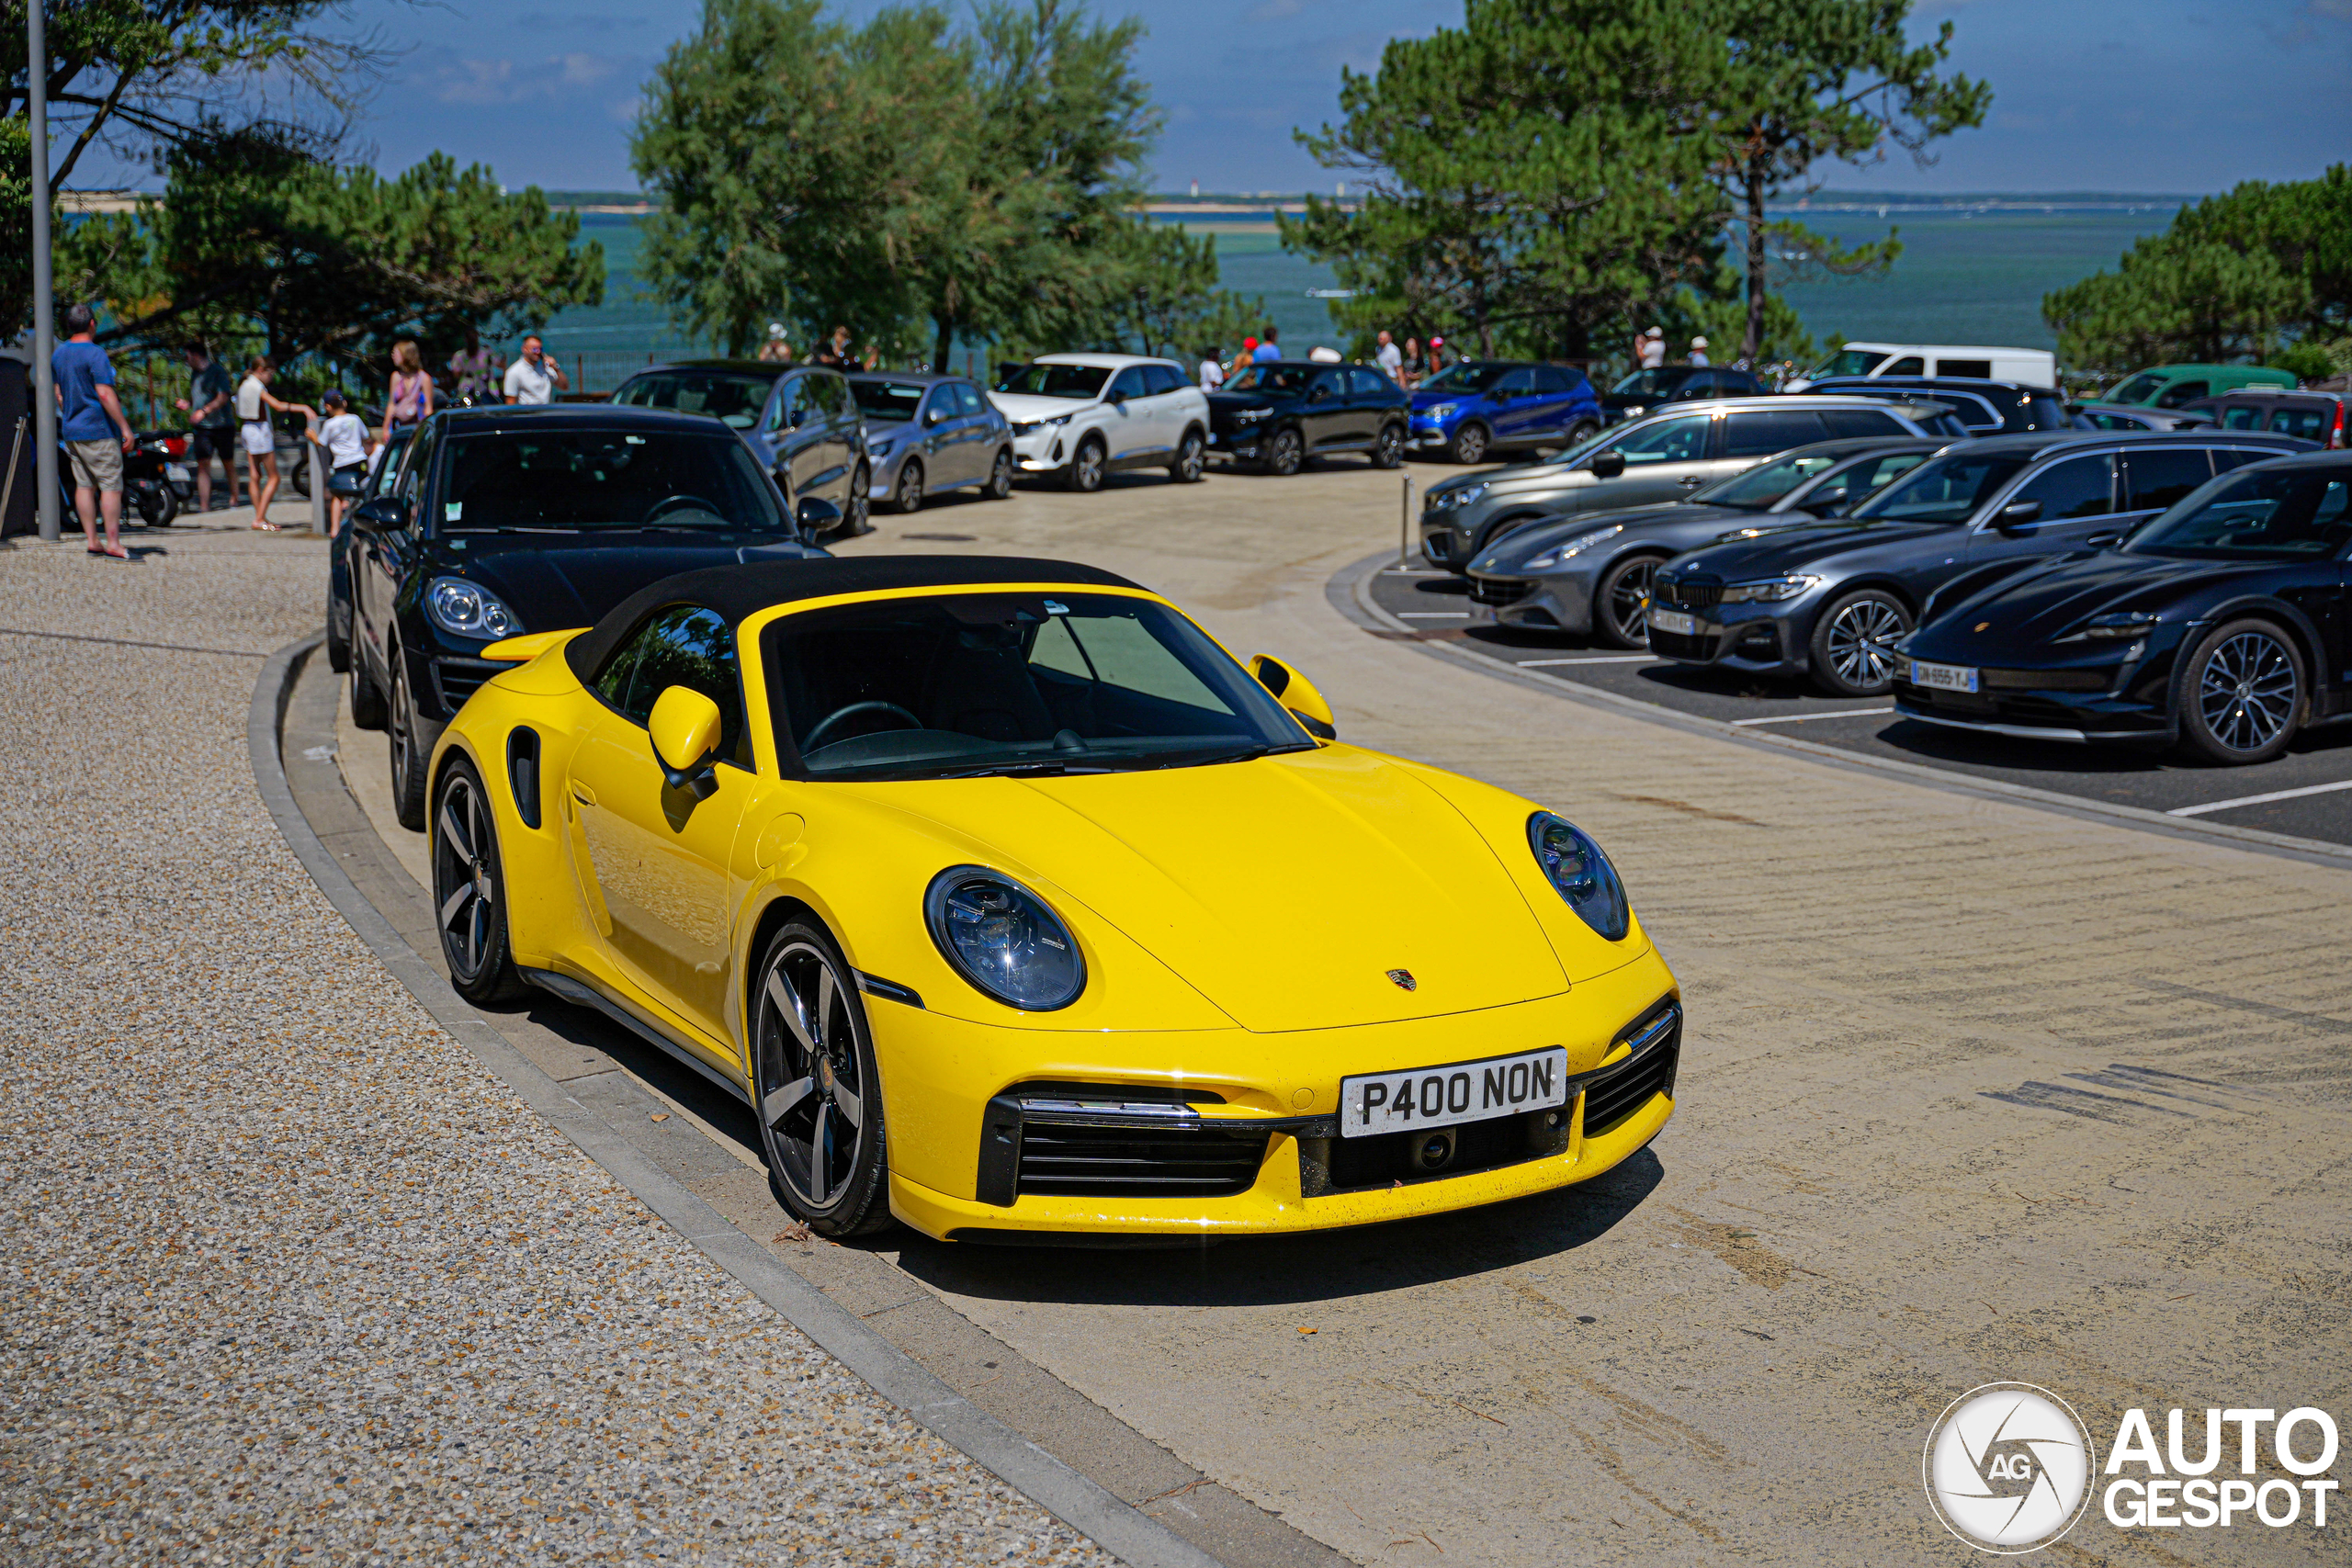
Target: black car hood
[557,580]
[1777,550]
[2051,598]
[1228,403]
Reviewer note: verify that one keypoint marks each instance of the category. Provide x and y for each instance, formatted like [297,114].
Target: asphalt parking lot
[2306,794]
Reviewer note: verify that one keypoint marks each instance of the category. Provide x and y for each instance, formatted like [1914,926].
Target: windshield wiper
[1024,770]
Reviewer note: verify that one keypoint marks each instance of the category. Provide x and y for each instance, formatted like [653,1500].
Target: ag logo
[2007,1468]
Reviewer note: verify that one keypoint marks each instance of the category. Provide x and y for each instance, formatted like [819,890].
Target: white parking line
[1411,571]
[1597,659]
[1433,614]
[2258,799]
[1803,717]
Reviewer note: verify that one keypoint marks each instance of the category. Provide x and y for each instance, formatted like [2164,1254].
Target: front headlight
[1443,410]
[1770,590]
[1243,416]
[1061,419]
[1568,547]
[879,448]
[1457,499]
[467,609]
[1574,864]
[2116,626]
[1004,939]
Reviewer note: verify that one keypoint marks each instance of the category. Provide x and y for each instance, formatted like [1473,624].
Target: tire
[1470,443]
[158,507]
[366,697]
[813,1073]
[857,516]
[1191,460]
[1620,601]
[1286,452]
[469,889]
[1853,643]
[1585,431]
[338,644]
[1084,472]
[1388,446]
[906,496]
[1000,486]
[2240,694]
[408,758]
[298,482]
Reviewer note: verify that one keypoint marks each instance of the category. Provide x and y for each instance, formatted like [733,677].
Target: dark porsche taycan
[2218,625]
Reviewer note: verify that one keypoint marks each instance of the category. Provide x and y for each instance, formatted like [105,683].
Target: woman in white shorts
[255,406]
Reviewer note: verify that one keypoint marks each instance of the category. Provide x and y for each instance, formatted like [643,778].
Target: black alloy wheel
[1853,643]
[906,496]
[1621,603]
[408,757]
[1585,431]
[1191,460]
[1084,474]
[1388,446]
[158,507]
[1286,452]
[2240,694]
[366,697]
[814,1082]
[1001,475]
[1470,443]
[470,890]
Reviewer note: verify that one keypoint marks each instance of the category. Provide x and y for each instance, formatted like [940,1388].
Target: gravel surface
[291,1278]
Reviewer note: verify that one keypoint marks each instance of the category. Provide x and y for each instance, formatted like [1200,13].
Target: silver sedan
[928,433]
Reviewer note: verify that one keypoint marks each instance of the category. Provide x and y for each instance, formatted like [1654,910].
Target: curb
[1348,592]
[1131,1536]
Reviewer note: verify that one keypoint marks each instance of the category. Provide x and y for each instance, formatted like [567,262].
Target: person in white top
[1652,345]
[535,378]
[345,440]
[1212,369]
[1391,359]
[260,441]
[1698,351]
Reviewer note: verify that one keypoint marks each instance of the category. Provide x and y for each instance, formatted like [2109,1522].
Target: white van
[2027,366]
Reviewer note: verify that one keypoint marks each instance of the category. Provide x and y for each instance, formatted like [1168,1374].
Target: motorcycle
[147,487]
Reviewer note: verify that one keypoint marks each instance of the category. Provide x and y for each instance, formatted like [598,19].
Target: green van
[2169,385]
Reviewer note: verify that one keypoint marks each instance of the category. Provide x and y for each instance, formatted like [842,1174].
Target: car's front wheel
[907,495]
[1470,443]
[815,1086]
[1582,431]
[1853,643]
[366,697]
[1284,453]
[469,889]
[1001,475]
[857,516]
[2240,694]
[1388,447]
[1191,460]
[1621,603]
[1084,474]
[408,751]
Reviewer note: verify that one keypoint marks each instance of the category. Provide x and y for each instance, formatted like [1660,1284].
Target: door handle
[1690,482]
[582,793]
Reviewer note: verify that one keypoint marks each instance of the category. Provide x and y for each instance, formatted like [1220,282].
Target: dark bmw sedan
[1830,599]
[504,521]
[2220,624]
[1280,415]
[1591,572]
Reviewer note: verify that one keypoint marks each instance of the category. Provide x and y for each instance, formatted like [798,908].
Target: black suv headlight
[467,609]
[1003,939]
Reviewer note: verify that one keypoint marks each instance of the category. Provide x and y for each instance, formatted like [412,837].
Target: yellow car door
[657,854]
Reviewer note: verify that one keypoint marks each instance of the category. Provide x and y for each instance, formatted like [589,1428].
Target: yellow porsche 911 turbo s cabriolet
[1015,907]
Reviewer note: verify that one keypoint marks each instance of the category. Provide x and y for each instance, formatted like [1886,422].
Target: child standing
[345,438]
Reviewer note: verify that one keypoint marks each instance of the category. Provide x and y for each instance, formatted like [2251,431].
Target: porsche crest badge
[1404,978]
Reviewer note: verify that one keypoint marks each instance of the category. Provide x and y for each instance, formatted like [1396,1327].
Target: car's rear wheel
[857,516]
[366,697]
[1084,474]
[2240,692]
[1388,447]
[906,496]
[815,1086]
[408,753]
[1001,475]
[158,507]
[1284,453]
[1621,603]
[1470,443]
[469,889]
[1853,643]
[1191,460]
[1583,432]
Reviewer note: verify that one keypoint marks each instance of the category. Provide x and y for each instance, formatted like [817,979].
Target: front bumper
[952,1080]
[1240,443]
[1561,604]
[1427,432]
[2127,704]
[1044,448]
[1758,640]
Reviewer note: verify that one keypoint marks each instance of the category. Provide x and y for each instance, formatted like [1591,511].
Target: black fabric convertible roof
[736,592]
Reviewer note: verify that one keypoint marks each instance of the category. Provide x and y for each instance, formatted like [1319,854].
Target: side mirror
[685,727]
[1114,397]
[1297,693]
[934,416]
[1320,394]
[379,516]
[2018,515]
[1608,465]
[817,515]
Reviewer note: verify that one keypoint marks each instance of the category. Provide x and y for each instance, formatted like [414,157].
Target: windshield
[1080,381]
[1651,383]
[1277,378]
[2138,390]
[1466,381]
[957,685]
[887,402]
[567,479]
[1849,362]
[731,395]
[2282,514]
[1949,490]
[1761,486]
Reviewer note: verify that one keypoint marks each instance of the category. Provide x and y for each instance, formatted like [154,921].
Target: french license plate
[1373,1103]
[177,472]
[1944,677]
[1674,622]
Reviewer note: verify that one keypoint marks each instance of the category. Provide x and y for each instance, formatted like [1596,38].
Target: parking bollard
[318,496]
[1404,527]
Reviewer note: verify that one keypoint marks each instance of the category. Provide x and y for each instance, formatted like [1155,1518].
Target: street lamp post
[44,309]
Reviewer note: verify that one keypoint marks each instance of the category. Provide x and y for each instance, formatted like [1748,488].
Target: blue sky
[2149,96]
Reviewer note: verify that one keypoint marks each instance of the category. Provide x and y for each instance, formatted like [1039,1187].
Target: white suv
[1080,416]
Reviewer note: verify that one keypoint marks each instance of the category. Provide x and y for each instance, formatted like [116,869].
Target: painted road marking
[2258,799]
[1597,659]
[1805,717]
[1433,614]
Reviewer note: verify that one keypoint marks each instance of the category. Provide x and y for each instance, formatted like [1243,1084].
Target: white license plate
[175,471]
[1674,622]
[1373,1103]
[1944,677]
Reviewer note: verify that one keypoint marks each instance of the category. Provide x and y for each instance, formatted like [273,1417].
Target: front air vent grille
[1690,593]
[1182,1160]
[1609,1102]
[1498,590]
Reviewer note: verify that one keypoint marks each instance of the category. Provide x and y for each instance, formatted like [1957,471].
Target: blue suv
[1482,406]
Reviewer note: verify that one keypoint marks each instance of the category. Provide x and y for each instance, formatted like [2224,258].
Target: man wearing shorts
[87,406]
[211,401]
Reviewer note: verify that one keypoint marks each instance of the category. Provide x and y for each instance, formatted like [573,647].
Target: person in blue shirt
[1268,349]
[87,406]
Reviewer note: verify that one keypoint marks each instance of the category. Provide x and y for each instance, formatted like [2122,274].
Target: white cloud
[505,82]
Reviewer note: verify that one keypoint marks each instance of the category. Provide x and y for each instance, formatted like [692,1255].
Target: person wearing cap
[1698,351]
[1437,354]
[775,351]
[1651,345]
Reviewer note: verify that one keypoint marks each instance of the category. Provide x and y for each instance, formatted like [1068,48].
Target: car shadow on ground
[1269,1270]
[1933,743]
